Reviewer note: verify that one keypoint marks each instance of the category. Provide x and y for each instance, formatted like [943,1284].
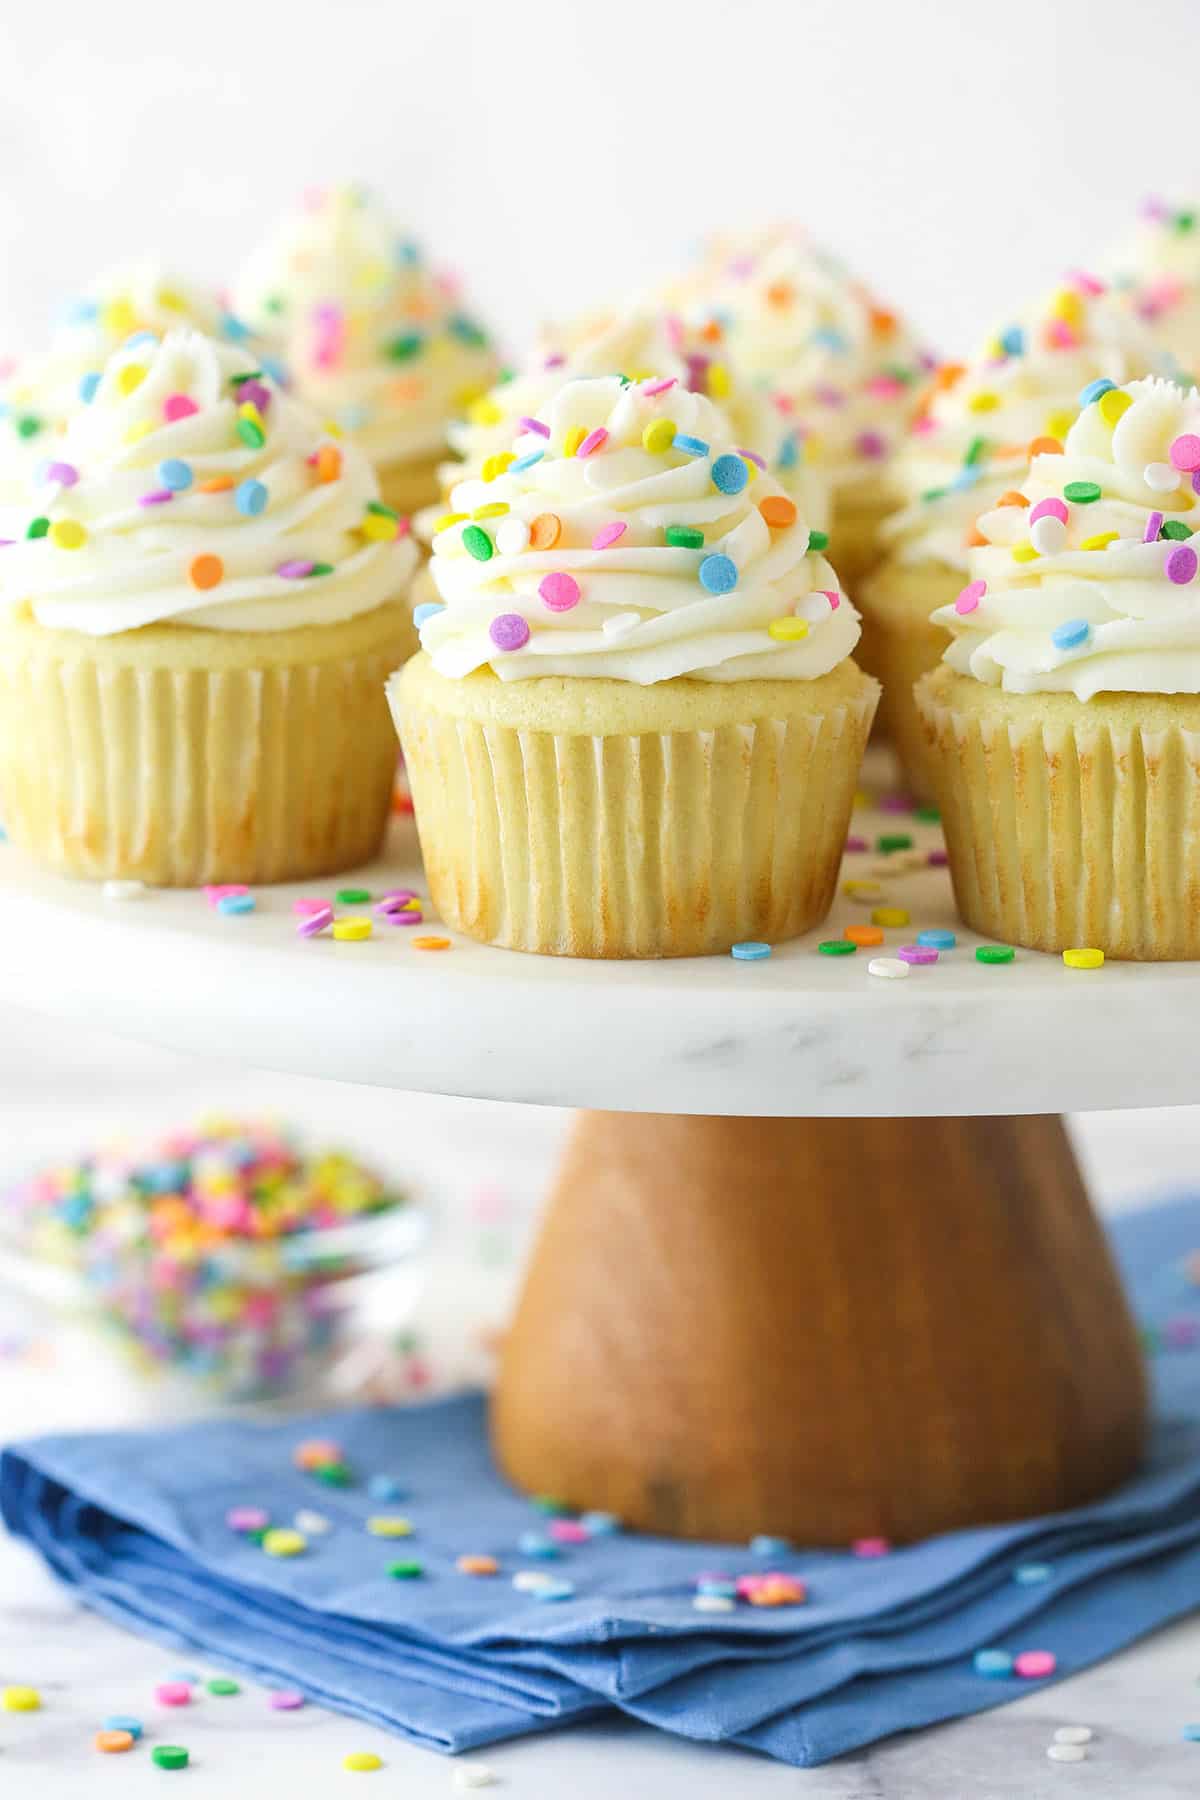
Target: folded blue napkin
[136,1523]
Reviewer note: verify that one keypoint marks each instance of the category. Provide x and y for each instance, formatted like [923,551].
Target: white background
[557,152]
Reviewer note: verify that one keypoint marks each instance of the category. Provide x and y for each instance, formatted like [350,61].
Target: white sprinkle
[528,1581]
[312,1524]
[1048,534]
[512,535]
[1067,1753]
[890,967]
[474,1775]
[1161,477]
[123,890]
[713,1603]
[1073,1734]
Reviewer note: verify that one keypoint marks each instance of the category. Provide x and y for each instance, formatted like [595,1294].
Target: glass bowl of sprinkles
[227,1256]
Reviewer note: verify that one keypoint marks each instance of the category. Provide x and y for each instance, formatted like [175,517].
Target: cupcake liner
[179,757]
[1070,824]
[633,843]
[901,646]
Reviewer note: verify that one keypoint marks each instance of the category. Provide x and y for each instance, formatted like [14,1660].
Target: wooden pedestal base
[823,1329]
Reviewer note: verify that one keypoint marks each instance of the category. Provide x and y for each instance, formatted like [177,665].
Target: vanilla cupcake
[195,629]
[967,453]
[1160,263]
[1064,723]
[635,726]
[845,371]
[375,339]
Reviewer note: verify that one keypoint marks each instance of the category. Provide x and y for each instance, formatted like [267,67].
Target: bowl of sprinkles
[225,1254]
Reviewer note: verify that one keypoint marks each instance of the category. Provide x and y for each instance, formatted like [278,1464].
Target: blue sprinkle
[600,1524]
[123,1722]
[88,385]
[966,478]
[250,497]
[407,253]
[789,453]
[353,418]
[385,1487]
[235,329]
[729,474]
[1070,635]
[140,337]
[830,337]
[535,1543]
[3,835]
[725,1590]
[718,574]
[769,1546]
[937,939]
[1012,341]
[82,312]
[692,445]
[175,474]
[554,1590]
[1094,389]
[188,1675]
[272,366]
[426,611]
[750,952]
[1031,1574]
[993,1662]
[233,903]
[525,462]
[1191,1734]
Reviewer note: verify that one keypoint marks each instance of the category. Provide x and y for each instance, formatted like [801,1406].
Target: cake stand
[822,1266]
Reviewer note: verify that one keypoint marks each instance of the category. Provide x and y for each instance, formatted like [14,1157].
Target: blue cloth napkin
[136,1523]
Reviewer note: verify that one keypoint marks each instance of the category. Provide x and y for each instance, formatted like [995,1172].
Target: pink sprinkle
[1085,283]
[834,599]
[748,1584]
[569,1531]
[898,802]
[247,1518]
[593,441]
[384,908]
[158,497]
[1033,1664]
[534,425]
[1061,335]
[920,955]
[608,534]
[66,474]
[886,386]
[254,393]
[560,592]
[754,457]
[937,859]
[1181,565]
[173,1693]
[1185,452]
[1154,525]
[222,890]
[970,597]
[314,923]
[400,894]
[555,361]
[285,1699]
[178,406]
[1053,508]
[829,396]
[873,1546]
[404,916]
[856,844]
[650,388]
[294,570]
[870,443]
[308,904]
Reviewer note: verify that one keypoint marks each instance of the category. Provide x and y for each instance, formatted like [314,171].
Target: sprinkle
[684,537]
[778,511]
[891,841]
[970,597]
[595,440]
[379,527]
[428,609]
[285,1699]
[64,473]
[406,1570]
[123,890]
[994,953]
[545,531]
[573,440]
[205,571]
[250,498]
[1153,527]
[937,939]
[477,1565]
[1045,446]
[650,388]
[312,1524]
[818,540]
[558,591]
[38,527]
[501,460]
[173,1693]
[1094,389]
[222,1687]
[512,535]
[658,436]
[1066,1753]
[838,947]
[862,890]
[1181,565]
[216,484]
[431,943]
[549,1589]
[774,1590]
[1114,406]
[1031,1574]
[328,463]
[1100,540]
[1083,959]
[919,955]
[351,931]
[729,474]
[509,631]
[992,1662]
[169,1756]
[1035,1664]
[130,377]
[467,1776]
[477,543]
[765,1545]
[890,917]
[314,1453]
[1175,528]
[247,1518]
[871,1547]
[124,1722]
[787,630]
[1071,634]
[362,1762]
[1082,493]
[158,497]
[609,534]
[691,446]
[1052,507]
[175,474]
[718,574]
[1160,477]
[87,386]
[20,1699]
[750,951]
[1184,453]
[232,904]
[389,1525]
[315,922]
[68,534]
[295,569]
[889,967]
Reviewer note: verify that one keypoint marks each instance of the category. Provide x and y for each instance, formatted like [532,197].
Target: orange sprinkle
[402,804]
[112,1741]
[864,936]
[478,1565]
[329,462]
[883,322]
[545,531]
[205,571]
[1012,497]
[974,538]
[778,510]
[406,389]
[711,331]
[434,943]
[216,484]
[781,293]
[947,374]
[1045,446]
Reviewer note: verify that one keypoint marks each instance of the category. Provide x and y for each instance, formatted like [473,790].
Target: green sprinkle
[682,537]
[893,840]
[466,331]
[818,540]
[1185,221]
[928,815]
[337,1474]
[477,543]
[975,450]
[1082,492]
[251,433]
[994,953]
[28,426]
[169,1756]
[257,1535]
[222,1686]
[405,1571]
[837,947]
[273,303]
[546,1503]
[929,496]
[1175,528]
[381,511]
[320,569]
[254,375]
[353,896]
[38,528]
[400,349]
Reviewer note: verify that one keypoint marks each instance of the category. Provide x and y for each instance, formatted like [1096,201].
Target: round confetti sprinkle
[386,1487]
[20,1699]
[1034,1665]
[718,574]
[349,931]
[889,967]
[658,436]
[387,1526]
[545,531]
[750,951]
[1094,389]
[609,534]
[477,543]
[313,1453]
[595,440]
[994,953]
[175,474]
[250,498]
[1184,453]
[509,631]
[992,1662]
[765,1545]
[778,511]
[1160,477]
[1048,536]
[512,536]
[173,1693]
[691,446]
[729,474]
[558,591]
[313,923]
[281,1541]
[1082,493]
[549,1589]
[890,917]
[406,1570]
[918,955]
[247,1518]
[1070,634]
[468,1776]
[787,630]
[205,571]
[169,1756]
[1181,565]
[349,896]
[937,939]
[68,534]
[1083,958]
[684,537]
[223,1687]
[1074,1734]
[428,609]
[837,947]
[477,1565]
[285,1699]
[970,597]
[362,1762]
[233,904]
[123,1722]
[1066,1753]
[863,937]
[1031,1574]
[713,1603]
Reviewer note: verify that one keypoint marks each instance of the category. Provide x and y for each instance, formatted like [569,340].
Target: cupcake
[376,341]
[195,627]
[1161,264]
[634,728]
[846,372]
[966,453]
[1064,723]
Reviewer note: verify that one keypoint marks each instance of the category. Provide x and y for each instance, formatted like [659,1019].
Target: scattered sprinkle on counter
[994,953]
[112,1742]
[173,1693]
[169,1756]
[888,968]
[1083,959]
[750,952]
[477,1565]
[20,1699]
[362,1762]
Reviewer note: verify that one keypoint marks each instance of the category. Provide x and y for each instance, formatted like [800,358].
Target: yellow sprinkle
[170,301]
[118,316]
[248,410]
[137,432]
[378,528]
[386,1527]
[574,438]
[130,377]
[495,509]
[1067,305]
[68,534]
[282,1541]
[788,630]
[496,464]
[1024,553]
[466,396]
[984,401]
[1059,422]
[861,799]
[659,435]
[351,931]
[718,381]
[1113,405]
[889,916]
[362,1761]
[20,1699]
[862,890]
[1100,541]
[331,428]
[1083,959]
[814,448]
[485,412]
[447,520]
[995,351]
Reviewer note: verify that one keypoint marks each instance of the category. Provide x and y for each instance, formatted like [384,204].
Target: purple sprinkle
[405,916]
[754,457]
[158,497]
[1196,481]
[313,923]
[896,803]
[295,570]
[919,954]
[1181,565]
[1181,1333]
[247,1518]
[870,443]
[937,859]
[6,542]
[400,894]
[256,394]
[829,396]
[285,1699]
[1154,525]
[856,843]
[554,362]
[383,909]
[697,369]
[65,473]
[509,631]
[534,425]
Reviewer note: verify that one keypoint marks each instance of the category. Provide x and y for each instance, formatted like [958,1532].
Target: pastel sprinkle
[362,1762]
[529,424]
[970,597]
[1082,493]
[718,574]
[169,1756]
[994,953]
[691,446]
[175,474]
[112,1743]
[1034,1665]
[20,1699]
[178,406]
[1051,507]
[729,474]
[285,1699]
[992,1662]
[1083,958]
[837,947]
[124,1722]
[1153,527]
[658,436]
[1184,453]
[389,1525]
[684,537]
[173,1693]
[295,569]
[350,931]
[609,534]
[509,631]
[250,498]
[919,955]
[1181,564]
[937,939]
[247,1518]
[890,917]
[750,951]
[890,968]
[559,591]
[68,534]
[314,923]
[87,386]
[595,440]
[231,904]
[545,531]
[1072,633]
[477,1565]
[1094,389]
[428,609]
[871,1547]
[477,543]
[650,388]
[205,571]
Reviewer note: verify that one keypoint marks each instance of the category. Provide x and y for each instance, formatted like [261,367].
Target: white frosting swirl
[972,442]
[375,340]
[1160,266]
[567,554]
[1105,603]
[190,489]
